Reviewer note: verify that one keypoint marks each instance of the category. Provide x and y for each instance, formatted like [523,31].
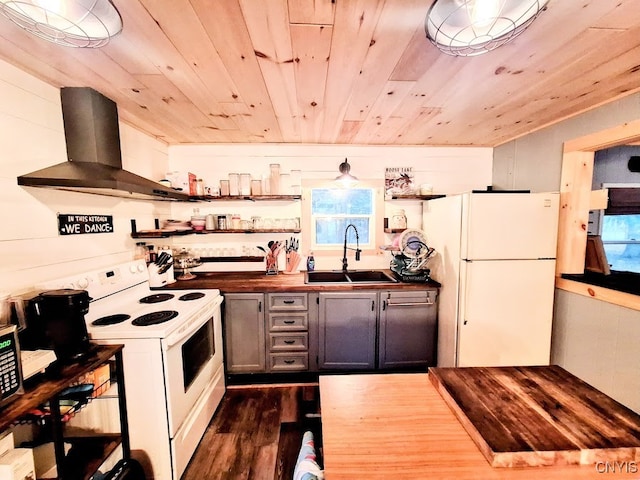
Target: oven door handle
[187,330]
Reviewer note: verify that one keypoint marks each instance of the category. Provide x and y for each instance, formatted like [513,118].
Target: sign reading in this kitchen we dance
[74,224]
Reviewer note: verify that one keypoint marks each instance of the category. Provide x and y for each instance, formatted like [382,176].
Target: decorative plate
[411,241]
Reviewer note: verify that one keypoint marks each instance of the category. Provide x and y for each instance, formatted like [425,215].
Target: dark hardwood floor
[256,434]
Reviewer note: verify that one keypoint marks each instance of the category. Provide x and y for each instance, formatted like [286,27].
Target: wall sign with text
[73,224]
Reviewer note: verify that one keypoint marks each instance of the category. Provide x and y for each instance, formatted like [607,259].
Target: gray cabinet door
[347,330]
[244,332]
[408,329]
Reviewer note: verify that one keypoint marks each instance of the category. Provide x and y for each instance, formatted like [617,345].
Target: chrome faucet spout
[357,249]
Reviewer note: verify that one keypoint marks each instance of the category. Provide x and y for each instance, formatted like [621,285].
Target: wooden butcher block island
[532,416]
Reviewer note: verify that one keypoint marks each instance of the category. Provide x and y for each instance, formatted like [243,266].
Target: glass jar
[245,184]
[256,187]
[224,188]
[200,187]
[234,184]
[274,178]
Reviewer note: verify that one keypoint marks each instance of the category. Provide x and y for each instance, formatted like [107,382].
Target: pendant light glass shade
[72,23]
[345,178]
[472,27]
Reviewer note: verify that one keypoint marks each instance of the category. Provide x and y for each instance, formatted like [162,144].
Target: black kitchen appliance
[11,372]
[61,316]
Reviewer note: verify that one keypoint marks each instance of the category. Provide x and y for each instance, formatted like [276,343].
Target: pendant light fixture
[471,27]
[72,23]
[345,178]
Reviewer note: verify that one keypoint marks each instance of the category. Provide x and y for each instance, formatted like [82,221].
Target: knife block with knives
[161,271]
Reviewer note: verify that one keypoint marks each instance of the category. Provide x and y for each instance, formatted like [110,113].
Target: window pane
[330,230]
[340,201]
[620,228]
[619,236]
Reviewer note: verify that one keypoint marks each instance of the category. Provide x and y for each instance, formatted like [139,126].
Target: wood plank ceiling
[340,71]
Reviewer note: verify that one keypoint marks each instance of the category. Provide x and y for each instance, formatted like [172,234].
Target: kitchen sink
[354,276]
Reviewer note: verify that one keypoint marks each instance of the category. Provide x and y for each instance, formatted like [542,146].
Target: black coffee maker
[61,317]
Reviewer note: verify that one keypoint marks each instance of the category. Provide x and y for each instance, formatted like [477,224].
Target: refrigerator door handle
[464,280]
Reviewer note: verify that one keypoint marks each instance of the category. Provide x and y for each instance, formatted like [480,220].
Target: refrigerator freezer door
[499,226]
[506,308]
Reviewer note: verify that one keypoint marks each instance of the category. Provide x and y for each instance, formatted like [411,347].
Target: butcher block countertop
[251,282]
[397,426]
[538,416]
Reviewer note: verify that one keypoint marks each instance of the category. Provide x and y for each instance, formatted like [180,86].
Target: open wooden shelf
[414,197]
[252,198]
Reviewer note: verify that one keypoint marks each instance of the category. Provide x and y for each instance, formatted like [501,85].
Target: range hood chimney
[94,163]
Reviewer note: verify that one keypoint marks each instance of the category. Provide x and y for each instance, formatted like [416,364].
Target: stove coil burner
[157,298]
[111,319]
[154,318]
[191,296]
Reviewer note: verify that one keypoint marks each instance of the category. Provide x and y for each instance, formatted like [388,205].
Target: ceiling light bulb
[484,12]
[54,6]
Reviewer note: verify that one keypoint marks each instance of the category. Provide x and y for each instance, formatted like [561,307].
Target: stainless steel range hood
[93,149]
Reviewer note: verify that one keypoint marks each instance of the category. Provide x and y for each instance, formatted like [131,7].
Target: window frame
[377,232]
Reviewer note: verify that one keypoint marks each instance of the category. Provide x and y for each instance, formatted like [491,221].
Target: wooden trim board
[538,416]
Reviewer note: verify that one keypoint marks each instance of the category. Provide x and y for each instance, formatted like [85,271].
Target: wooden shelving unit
[47,388]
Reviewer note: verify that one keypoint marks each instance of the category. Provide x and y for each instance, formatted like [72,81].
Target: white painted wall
[448,169]
[32,137]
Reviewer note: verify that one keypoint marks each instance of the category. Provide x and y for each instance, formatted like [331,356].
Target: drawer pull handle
[409,304]
[289,342]
[289,322]
[289,302]
[289,362]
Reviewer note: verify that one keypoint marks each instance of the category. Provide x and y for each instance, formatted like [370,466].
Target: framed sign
[398,181]
[74,224]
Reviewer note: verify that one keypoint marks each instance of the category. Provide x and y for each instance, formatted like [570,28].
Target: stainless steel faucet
[357,249]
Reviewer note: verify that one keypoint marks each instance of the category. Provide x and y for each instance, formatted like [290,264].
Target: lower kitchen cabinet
[244,329]
[408,329]
[347,330]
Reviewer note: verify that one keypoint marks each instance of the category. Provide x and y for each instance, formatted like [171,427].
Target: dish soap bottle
[311,263]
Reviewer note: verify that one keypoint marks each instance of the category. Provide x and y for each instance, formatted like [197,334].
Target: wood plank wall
[32,137]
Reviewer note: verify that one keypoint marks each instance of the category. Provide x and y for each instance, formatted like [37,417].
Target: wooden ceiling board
[319,71]
[380,119]
[311,65]
[354,23]
[268,24]
[179,22]
[393,32]
[316,12]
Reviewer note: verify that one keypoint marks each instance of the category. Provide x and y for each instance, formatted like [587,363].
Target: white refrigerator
[496,263]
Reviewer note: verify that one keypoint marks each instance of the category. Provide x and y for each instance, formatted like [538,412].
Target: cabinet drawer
[287,362]
[288,341]
[288,321]
[287,301]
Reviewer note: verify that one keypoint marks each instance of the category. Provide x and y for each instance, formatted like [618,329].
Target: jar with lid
[398,220]
[200,187]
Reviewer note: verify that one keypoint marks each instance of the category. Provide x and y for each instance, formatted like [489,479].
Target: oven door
[192,355]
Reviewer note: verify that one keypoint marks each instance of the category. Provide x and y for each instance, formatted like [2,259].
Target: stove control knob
[140,268]
[133,268]
[83,282]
